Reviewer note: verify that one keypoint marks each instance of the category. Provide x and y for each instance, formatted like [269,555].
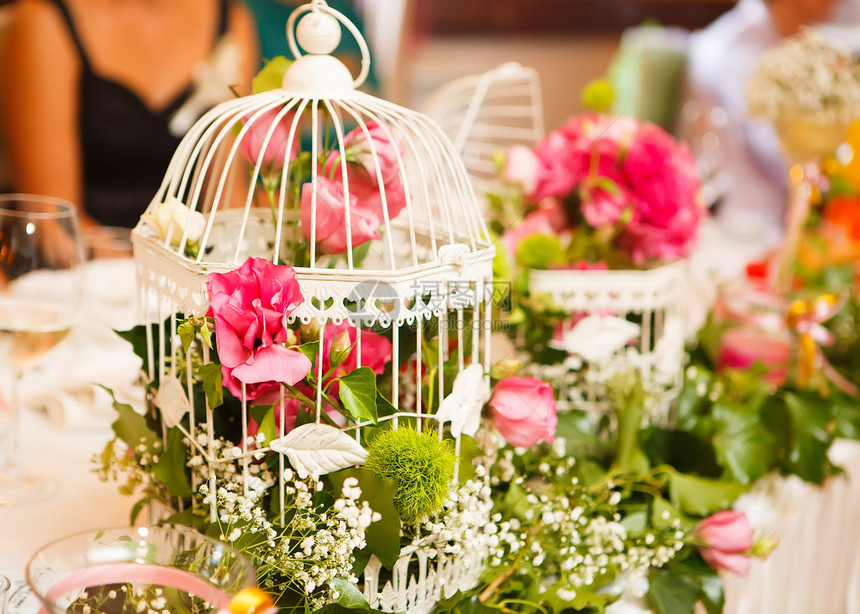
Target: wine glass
[41,276]
[133,569]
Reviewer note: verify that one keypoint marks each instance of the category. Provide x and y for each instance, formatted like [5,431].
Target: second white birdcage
[618,321]
[371,206]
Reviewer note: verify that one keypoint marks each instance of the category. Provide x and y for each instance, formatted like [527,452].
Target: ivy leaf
[711,593]
[663,513]
[336,608]
[210,375]
[272,75]
[186,332]
[170,468]
[673,593]
[348,594]
[469,451]
[802,423]
[137,338]
[578,431]
[701,496]
[268,426]
[384,407]
[383,536]
[743,446]
[130,426]
[358,394]
[847,415]
[310,350]
[539,251]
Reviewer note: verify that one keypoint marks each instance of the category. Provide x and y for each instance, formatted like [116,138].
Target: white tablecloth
[72,420]
[82,502]
[816,568]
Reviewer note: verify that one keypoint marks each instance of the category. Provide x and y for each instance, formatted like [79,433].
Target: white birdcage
[487,113]
[391,243]
[619,321]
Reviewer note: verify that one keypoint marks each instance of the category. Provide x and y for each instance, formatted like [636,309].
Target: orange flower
[842,213]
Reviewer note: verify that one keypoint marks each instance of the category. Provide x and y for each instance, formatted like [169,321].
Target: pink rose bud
[330,211]
[524,411]
[340,348]
[741,348]
[275,153]
[726,539]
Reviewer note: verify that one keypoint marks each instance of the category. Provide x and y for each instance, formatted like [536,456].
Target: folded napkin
[64,384]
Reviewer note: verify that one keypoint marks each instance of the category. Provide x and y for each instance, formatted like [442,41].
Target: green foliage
[170,468]
[348,595]
[539,251]
[673,593]
[271,76]
[358,394]
[130,426]
[701,496]
[210,376]
[420,464]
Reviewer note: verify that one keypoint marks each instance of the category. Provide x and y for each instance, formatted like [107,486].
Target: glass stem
[11,466]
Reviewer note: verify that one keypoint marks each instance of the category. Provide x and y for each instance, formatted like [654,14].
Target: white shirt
[721,60]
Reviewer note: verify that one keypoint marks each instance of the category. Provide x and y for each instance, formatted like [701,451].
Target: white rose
[173,218]
[464,405]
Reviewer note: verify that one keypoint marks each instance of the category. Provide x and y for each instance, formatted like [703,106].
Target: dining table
[67,423]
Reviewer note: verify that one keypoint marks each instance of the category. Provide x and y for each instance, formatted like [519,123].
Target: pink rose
[604,204]
[548,218]
[252,141]
[369,194]
[741,348]
[521,168]
[524,411]
[727,538]
[563,165]
[250,306]
[359,149]
[662,177]
[362,170]
[330,231]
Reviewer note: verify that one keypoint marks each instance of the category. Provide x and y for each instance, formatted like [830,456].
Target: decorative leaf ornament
[463,406]
[172,401]
[316,449]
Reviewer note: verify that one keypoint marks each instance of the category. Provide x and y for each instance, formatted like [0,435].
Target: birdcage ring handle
[321,6]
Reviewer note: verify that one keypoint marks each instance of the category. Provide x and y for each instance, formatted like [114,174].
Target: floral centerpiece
[315,277]
[307,502]
[593,221]
[809,87]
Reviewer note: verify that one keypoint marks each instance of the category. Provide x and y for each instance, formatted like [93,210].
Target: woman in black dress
[90,89]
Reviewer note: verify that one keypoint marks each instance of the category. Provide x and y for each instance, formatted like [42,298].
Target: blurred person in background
[722,58]
[98,93]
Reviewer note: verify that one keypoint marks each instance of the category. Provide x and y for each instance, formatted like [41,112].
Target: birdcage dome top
[316,174]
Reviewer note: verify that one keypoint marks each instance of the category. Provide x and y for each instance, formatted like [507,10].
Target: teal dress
[272,15]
